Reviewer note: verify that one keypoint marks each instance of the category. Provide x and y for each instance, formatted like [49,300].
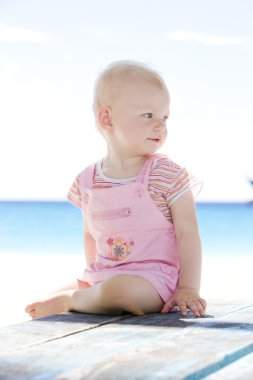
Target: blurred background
[50,54]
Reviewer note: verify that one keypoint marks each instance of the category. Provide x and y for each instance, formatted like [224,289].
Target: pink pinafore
[132,235]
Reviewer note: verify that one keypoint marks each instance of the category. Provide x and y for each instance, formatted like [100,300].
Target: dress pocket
[112,214]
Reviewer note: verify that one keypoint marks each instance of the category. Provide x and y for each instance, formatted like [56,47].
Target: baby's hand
[186,298]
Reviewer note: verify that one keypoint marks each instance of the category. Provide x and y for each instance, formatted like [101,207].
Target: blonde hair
[112,80]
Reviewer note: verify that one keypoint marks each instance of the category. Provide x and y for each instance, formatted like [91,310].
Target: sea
[226,229]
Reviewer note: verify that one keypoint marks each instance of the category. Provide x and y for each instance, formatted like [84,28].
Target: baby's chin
[154,144]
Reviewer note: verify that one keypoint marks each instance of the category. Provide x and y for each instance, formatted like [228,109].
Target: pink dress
[132,235]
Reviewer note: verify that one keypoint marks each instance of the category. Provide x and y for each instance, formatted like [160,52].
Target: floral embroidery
[118,248]
[110,241]
[118,251]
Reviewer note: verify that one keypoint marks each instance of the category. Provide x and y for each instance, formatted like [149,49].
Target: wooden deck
[156,346]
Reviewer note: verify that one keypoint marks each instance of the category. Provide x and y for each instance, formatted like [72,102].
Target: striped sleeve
[183,182]
[74,194]
[173,180]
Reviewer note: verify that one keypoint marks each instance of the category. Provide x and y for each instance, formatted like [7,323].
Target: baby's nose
[160,124]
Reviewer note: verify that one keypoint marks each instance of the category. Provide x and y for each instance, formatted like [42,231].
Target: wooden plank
[26,334]
[218,307]
[149,347]
[20,336]
[240,369]
[191,354]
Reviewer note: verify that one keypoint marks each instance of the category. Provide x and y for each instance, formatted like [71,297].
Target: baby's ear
[105,119]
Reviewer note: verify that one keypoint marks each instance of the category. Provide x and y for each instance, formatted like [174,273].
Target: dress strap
[144,173]
[86,177]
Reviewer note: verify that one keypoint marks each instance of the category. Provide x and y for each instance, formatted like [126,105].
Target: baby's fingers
[197,308]
[183,308]
[194,307]
[203,304]
[168,306]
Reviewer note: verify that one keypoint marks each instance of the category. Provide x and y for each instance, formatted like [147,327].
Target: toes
[32,314]
[30,308]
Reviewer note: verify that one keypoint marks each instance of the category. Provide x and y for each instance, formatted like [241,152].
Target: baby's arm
[189,246]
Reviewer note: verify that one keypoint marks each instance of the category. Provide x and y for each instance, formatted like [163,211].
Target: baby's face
[139,118]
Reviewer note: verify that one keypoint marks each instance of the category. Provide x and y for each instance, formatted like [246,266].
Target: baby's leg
[121,293]
[57,301]
[53,304]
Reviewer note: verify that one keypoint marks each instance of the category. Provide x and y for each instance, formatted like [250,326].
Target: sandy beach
[26,277]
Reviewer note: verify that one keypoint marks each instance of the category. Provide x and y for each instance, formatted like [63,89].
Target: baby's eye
[165,118]
[148,115]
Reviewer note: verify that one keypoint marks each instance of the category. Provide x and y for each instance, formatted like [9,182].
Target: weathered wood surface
[31,333]
[239,369]
[156,346]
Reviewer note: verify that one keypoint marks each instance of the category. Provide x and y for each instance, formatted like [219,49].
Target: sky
[51,52]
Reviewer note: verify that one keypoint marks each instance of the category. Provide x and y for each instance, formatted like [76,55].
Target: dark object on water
[251,182]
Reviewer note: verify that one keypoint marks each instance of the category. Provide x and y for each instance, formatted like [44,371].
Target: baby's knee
[114,289]
[116,294]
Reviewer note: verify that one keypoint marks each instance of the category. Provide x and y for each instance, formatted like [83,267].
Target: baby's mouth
[155,140]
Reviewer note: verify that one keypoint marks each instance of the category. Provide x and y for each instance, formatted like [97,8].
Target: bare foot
[53,304]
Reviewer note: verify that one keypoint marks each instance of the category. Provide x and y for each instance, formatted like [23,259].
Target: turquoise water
[225,228]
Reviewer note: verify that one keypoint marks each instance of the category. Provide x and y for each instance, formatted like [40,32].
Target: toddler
[141,238]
